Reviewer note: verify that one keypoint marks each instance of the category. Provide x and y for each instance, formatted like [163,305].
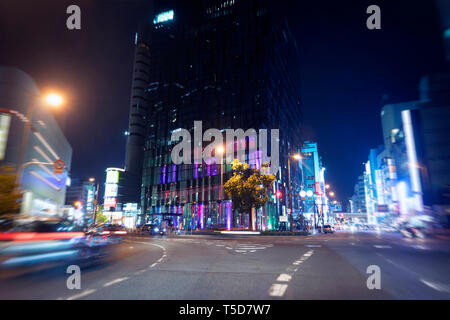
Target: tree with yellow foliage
[248,188]
[9,193]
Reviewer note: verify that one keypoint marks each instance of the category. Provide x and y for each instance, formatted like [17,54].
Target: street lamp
[54,100]
[331,194]
[295,157]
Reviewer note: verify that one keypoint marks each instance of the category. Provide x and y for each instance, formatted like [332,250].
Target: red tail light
[34,236]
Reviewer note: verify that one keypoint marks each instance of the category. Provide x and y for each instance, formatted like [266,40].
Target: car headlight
[156,229]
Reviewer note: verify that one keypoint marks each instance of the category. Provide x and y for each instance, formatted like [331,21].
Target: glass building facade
[224,63]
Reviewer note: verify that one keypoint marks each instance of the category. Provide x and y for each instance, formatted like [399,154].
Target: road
[331,266]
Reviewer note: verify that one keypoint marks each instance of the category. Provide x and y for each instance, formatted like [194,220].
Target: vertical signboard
[5,120]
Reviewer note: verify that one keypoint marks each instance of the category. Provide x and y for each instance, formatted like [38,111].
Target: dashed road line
[277,290]
[140,272]
[115,281]
[284,277]
[82,294]
[436,286]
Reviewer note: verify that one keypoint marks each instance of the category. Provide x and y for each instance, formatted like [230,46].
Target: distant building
[118,193]
[81,195]
[44,191]
[359,197]
[315,201]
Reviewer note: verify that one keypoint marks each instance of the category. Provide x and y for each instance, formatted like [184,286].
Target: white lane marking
[82,294]
[303,258]
[284,277]
[229,248]
[277,290]
[220,245]
[313,246]
[296,263]
[420,247]
[379,246]
[115,281]
[436,286]
[131,247]
[240,251]
[158,246]
[252,248]
[139,272]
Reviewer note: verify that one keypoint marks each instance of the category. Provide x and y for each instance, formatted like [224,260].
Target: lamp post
[295,157]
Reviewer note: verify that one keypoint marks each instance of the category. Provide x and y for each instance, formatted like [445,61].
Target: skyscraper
[230,64]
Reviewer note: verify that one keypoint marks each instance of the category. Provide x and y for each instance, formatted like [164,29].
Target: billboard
[5,120]
[112,176]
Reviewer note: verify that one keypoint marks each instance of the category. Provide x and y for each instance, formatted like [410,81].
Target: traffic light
[279,194]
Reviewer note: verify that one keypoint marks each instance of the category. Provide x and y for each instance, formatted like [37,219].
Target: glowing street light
[327,186]
[54,99]
[331,194]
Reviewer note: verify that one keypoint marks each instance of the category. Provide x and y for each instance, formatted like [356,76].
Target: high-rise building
[416,136]
[230,64]
[43,190]
[359,197]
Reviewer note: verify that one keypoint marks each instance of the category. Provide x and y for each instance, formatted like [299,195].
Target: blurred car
[409,231]
[32,241]
[153,229]
[112,232]
[159,230]
[328,229]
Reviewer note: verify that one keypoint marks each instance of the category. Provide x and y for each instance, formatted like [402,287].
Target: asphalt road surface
[331,266]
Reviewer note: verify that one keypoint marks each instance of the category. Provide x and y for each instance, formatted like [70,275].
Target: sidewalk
[219,234]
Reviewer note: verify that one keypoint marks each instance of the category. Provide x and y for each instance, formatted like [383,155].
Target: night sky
[346,71]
